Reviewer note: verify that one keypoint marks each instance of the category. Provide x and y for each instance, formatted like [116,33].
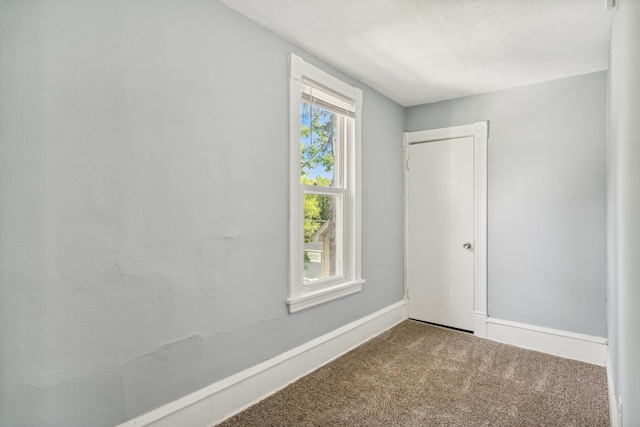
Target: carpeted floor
[420,375]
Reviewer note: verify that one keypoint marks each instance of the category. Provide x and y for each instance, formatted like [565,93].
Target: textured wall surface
[547,198]
[144,204]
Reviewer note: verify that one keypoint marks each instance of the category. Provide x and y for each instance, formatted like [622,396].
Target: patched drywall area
[546,198]
[144,206]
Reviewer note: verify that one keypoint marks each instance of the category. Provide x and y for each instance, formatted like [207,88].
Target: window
[324,211]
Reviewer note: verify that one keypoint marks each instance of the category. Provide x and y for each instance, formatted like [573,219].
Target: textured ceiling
[421,51]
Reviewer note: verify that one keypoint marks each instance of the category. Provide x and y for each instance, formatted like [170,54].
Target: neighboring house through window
[324,212]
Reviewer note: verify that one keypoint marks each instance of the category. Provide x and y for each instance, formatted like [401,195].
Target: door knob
[467,245]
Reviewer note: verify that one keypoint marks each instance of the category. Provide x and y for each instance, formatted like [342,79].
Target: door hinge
[407,293]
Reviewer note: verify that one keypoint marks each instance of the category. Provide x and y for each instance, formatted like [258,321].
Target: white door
[440,266]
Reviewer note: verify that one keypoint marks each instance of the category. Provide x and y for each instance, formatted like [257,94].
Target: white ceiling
[421,51]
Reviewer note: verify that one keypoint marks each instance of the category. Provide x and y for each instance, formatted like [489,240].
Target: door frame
[479,131]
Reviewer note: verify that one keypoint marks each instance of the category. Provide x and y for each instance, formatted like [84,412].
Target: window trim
[299,296]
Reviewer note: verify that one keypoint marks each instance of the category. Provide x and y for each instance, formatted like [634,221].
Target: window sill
[321,296]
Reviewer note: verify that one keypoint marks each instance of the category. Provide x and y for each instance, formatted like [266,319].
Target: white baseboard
[231,395]
[613,401]
[570,345]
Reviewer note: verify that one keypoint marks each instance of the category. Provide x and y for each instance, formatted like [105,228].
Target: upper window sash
[326,191]
[340,140]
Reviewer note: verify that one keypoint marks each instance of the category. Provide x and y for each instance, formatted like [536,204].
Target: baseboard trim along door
[585,348]
[233,394]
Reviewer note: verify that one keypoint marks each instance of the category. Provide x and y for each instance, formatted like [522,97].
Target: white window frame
[301,296]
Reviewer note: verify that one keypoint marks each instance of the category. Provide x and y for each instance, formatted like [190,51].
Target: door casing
[479,131]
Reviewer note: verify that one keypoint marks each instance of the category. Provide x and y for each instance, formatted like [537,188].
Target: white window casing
[310,84]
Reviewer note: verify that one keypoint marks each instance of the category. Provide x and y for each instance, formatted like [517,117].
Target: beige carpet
[420,375]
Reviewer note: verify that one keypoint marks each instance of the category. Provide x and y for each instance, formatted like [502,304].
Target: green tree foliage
[319,126]
[316,208]
[318,130]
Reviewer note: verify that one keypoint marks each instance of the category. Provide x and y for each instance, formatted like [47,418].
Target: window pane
[322,237]
[319,145]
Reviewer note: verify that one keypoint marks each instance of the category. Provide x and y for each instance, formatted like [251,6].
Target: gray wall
[624,209]
[143,167]
[547,198]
